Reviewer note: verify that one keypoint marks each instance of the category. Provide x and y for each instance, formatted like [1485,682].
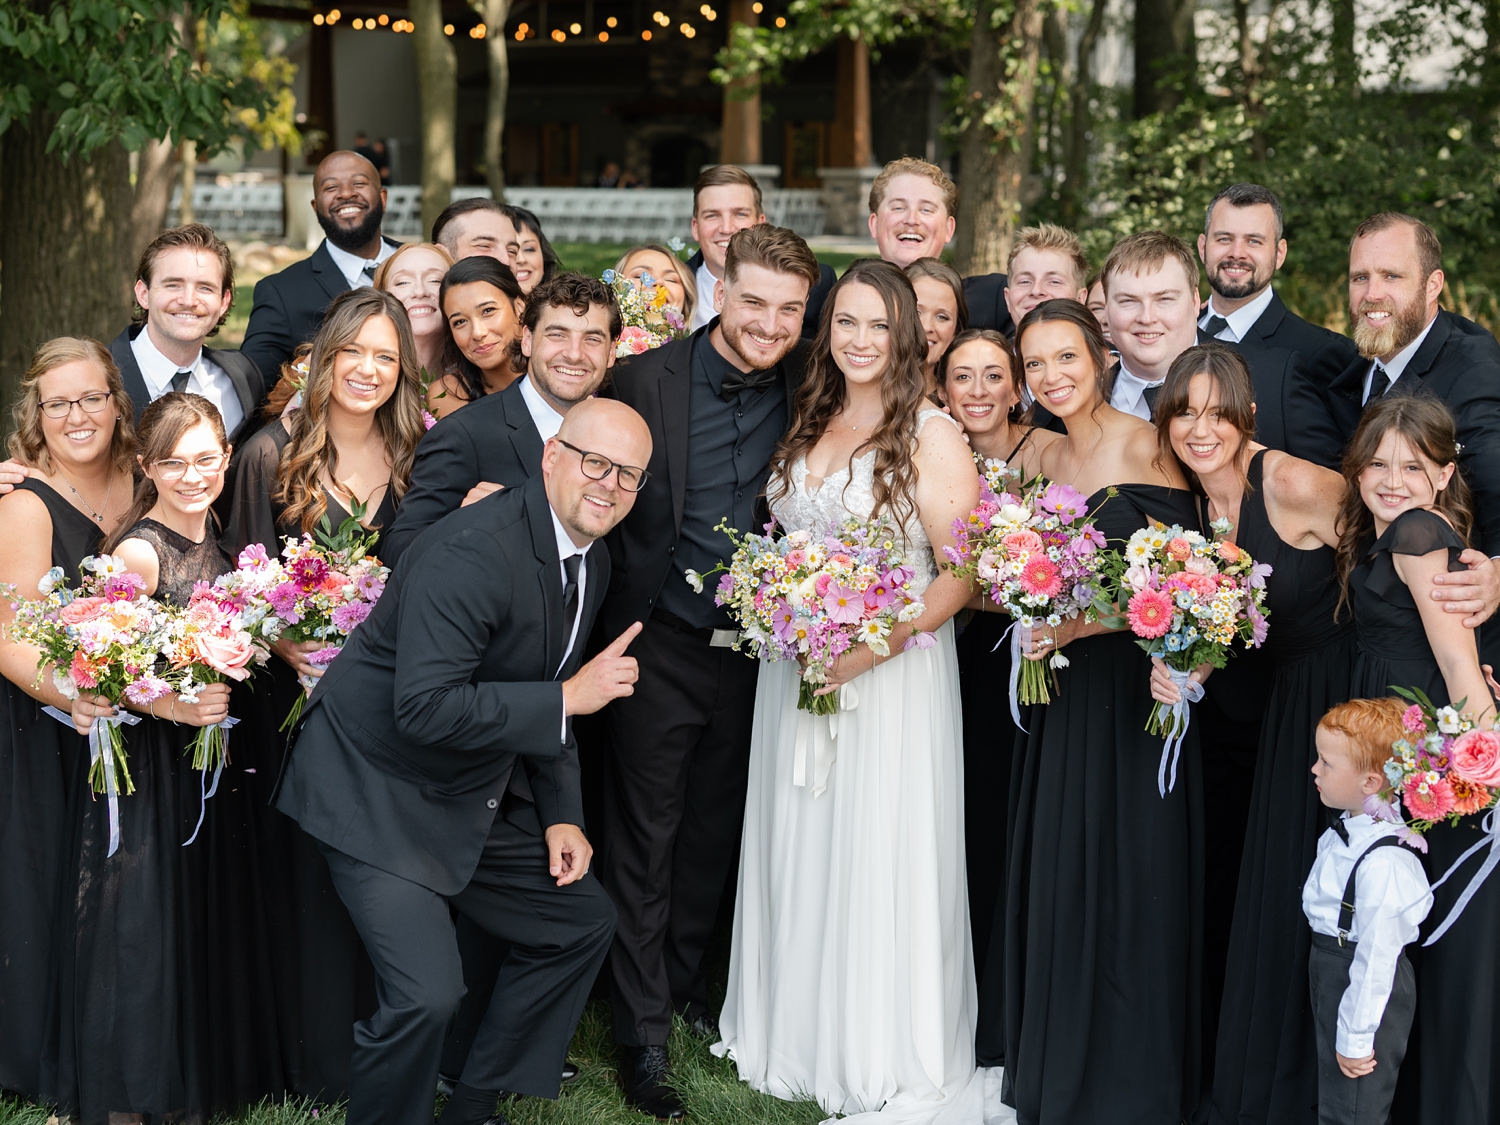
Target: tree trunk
[1080,120]
[495,14]
[1345,62]
[740,119]
[65,239]
[1166,54]
[437,82]
[155,171]
[1488,132]
[997,139]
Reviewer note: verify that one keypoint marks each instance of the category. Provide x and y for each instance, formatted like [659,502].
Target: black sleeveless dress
[1265,1071]
[324,982]
[42,769]
[1452,1065]
[166,1007]
[1103,910]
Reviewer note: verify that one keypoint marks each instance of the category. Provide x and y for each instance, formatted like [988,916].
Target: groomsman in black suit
[1242,248]
[1151,298]
[726,199]
[184,288]
[436,768]
[350,205]
[567,342]
[717,403]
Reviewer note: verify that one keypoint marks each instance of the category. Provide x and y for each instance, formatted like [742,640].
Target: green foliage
[240,48]
[116,69]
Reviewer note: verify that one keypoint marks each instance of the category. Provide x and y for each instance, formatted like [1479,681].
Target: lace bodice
[842,496]
[182,563]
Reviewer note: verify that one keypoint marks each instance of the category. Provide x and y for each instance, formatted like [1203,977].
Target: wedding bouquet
[646,312]
[207,643]
[809,598]
[1188,599]
[316,591]
[1039,557]
[107,638]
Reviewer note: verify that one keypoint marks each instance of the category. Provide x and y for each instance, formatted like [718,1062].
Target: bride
[851,978]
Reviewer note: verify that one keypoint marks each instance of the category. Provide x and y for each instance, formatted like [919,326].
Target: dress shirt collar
[565,545]
[548,421]
[703,309]
[1130,393]
[1242,319]
[352,266]
[1398,363]
[156,369]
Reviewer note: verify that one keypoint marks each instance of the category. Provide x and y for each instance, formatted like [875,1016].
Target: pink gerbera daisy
[1428,800]
[1150,614]
[1041,579]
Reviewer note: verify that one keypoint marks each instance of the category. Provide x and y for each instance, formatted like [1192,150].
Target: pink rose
[1179,549]
[1023,540]
[1197,565]
[79,610]
[227,655]
[1476,757]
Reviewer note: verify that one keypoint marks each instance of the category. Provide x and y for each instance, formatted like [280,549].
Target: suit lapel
[233,365]
[672,389]
[327,272]
[524,437]
[549,573]
[1427,354]
[130,370]
[1269,321]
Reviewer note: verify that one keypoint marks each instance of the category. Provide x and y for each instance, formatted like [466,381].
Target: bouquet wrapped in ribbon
[1445,768]
[1188,599]
[648,317]
[1038,556]
[316,591]
[106,638]
[809,598]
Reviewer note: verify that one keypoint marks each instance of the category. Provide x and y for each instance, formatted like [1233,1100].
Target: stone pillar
[846,185]
[740,136]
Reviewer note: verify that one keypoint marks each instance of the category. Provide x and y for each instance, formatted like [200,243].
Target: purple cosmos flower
[1064,501]
[370,585]
[1258,626]
[843,605]
[147,689]
[1259,572]
[348,616]
[919,639]
[324,656]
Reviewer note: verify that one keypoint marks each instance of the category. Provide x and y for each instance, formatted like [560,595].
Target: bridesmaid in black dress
[350,443]
[166,1004]
[1284,512]
[980,384]
[73,434]
[1103,899]
[1407,516]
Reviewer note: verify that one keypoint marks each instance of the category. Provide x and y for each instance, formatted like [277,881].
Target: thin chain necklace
[98,516]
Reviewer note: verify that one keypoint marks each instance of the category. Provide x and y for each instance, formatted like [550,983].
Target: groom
[717,403]
[436,768]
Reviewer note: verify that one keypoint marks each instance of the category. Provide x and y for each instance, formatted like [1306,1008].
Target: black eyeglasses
[596,466]
[90,404]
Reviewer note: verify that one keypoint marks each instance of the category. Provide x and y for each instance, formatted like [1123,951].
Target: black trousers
[558,937]
[681,757]
[1357,1101]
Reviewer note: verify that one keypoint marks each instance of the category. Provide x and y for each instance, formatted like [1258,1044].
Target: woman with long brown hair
[1406,517]
[73,433]
[1097,1013]
[482,305]
[851,976]
[349,449]
[944,311]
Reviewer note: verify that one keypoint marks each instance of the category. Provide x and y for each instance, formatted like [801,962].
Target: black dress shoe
[570,1071]
[705,1026]
[646,1076]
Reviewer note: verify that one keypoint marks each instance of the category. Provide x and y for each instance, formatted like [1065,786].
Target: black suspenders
[1346,906]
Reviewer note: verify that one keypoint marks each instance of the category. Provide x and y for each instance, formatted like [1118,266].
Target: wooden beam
[739,136]
[850,146]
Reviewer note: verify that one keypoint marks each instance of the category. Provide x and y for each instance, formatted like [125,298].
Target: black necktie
[736,381]
[179,381]
[368,273]
[571,565]
[1215,325]
[1149,394]
[1380,382]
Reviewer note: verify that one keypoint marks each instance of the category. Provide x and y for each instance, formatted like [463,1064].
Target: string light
[383,20]
[604,37]
[646,35]
[780,21]
[708,13]
[576,28]
[611,22]
[318,19]
[359,24]
[447,29]
[757,7]
[558,34]
[333,16]
[688,30]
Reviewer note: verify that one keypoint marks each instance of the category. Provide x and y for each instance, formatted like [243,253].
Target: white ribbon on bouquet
[203,795]
[99,747]
[1491,827]
[1181,716]
[815,740]
[1020,640]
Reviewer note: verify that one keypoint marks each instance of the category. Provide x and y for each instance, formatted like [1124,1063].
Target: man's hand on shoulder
[609,675]
[12,473]
[1474,592]
[568,853]
[480,491]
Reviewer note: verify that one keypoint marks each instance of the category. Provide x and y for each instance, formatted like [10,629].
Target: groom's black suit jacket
[249,386]
[493,439]
[448,697]
[656,385]
[1458,362]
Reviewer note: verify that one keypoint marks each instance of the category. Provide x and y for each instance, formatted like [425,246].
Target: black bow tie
[1336,822]
[736,381]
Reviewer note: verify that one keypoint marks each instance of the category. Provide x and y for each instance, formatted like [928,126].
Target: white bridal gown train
[851,979]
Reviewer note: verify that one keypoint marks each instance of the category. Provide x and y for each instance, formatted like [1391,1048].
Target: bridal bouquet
[809,598]
[1188,599]
[1039,557]
[316,591]
[207,643]
[648,317]
[107,638]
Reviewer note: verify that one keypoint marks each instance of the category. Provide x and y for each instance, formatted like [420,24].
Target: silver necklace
[98,517]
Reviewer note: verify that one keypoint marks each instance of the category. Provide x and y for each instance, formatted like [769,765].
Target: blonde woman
[662,266]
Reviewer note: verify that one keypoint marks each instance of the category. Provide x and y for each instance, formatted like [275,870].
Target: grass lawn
[709,1087]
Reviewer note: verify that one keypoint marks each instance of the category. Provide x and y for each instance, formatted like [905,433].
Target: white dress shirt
[208,379]
[1241,320]
[1398,362]
[352,266]
[1391,897]
[543,413]
[566,548]
[1129,394]
[703,310]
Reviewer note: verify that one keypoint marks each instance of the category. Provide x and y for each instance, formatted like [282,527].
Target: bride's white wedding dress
[851,979]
